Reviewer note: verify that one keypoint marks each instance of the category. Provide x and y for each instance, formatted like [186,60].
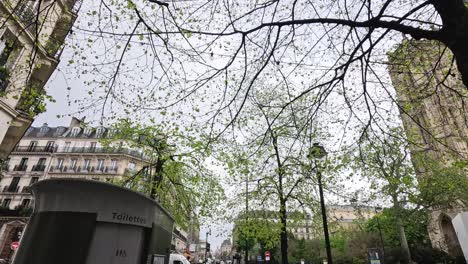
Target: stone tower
[434,109]
[31,41]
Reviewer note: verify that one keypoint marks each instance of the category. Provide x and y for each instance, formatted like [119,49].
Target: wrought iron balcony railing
[19,167]
[126,151]
[38,167]
[26,189]
[11,189]
[35,149]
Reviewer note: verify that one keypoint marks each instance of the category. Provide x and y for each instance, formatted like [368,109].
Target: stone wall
[433,106]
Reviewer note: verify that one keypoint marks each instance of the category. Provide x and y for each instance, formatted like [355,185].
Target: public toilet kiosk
[79,221]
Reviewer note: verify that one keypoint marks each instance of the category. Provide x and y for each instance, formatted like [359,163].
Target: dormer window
[87,131]
[75,131]
[29,131]
[44,129]
[59,131]
[99,131]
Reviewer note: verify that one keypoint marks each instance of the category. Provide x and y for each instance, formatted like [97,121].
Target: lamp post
[246,258]
[206,244]
[317,152]
[378,209]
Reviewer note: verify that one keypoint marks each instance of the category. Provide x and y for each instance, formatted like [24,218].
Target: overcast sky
[69,89]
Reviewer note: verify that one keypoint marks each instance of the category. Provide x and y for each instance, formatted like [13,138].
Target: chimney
[75,122]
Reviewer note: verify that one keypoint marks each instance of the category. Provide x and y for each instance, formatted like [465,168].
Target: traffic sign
[267,255]
[14,245]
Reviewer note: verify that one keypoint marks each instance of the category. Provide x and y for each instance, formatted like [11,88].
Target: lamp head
[316,152]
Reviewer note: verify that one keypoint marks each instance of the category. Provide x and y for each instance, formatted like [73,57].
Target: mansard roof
[72,131]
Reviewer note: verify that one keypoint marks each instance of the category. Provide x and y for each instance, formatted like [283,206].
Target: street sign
[259,258]
[267,255]
[14,245]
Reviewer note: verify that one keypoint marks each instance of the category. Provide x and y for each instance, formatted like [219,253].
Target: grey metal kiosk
[89,222]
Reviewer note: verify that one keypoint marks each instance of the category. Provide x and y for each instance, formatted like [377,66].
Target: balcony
[76,6]
[4,76]
[95,150]
[26,189]
[27,16]
[20,167]
[38,167]
[35,149]
[11,189]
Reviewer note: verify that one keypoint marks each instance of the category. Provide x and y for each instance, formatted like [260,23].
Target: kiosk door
[116,244]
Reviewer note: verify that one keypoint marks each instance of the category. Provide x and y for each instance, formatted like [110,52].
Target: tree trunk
[401,229]
[454,32]
[403,241]
[284,233]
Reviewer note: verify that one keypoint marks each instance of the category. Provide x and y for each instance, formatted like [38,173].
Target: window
[32,145]
[73,163]
[87,163]
[14,184]
[50,145]
[9,52]
[113,164]
[33,180]
[99,131]
[26,202]
[87,132]
[131,165]
[92,147]
[67,147]
[44,129]
[40,166]
[100,164]
[59,163]
[41,161]
[75,131]
[22,165]
[6,202]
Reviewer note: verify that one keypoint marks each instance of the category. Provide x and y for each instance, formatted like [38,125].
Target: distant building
[31,42]
[347,217]
[179,240]
[433,103]
[63,152]
[308,227]
[225,251]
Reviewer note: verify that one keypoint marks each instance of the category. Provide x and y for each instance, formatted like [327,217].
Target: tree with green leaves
[269,164]
[176,174]
[386,163]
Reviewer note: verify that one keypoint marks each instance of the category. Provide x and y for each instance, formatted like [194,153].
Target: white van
[178,259]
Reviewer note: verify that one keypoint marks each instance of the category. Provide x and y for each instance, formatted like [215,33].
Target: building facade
[31,40]
[432,100]
[63,152]
[347,217]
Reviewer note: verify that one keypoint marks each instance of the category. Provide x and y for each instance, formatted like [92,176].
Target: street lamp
[206,243]
[318,152]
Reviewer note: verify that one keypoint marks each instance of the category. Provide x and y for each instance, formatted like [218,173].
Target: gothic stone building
[32,33]
[433,104]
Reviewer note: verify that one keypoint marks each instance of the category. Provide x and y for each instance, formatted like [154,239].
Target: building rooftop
[76,129]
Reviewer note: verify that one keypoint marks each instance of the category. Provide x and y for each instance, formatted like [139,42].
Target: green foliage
[415,222]
[179,180]
[33,100]
[261,232]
